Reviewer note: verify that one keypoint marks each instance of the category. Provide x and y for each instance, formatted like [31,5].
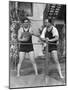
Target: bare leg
[21,58]
[55,57]
[32,58]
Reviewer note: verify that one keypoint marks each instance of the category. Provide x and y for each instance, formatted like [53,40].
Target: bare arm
[35,34]
[19,36]
[54,39]
[43,39]
[42,36]
[55,35]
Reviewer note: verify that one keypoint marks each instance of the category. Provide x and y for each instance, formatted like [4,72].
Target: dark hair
[50,20]
[25,19]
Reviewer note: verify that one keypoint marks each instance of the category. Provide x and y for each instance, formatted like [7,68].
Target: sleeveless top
[49,35]
[30,39]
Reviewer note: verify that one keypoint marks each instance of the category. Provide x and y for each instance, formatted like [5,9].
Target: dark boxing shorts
[52,47]
[26,47]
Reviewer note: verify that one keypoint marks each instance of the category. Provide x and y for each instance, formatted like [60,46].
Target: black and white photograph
[37,44]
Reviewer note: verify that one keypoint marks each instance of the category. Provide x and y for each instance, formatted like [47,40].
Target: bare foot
[62,77]
[18,75]
[36,74]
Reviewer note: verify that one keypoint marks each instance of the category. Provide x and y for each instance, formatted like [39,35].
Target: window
[25,7]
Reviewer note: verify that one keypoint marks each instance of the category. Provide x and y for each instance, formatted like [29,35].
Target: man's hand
[47,40]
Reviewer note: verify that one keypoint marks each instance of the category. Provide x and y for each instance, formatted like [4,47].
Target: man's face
[26,24]
[47,24]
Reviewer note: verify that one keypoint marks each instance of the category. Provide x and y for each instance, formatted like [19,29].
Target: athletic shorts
[26,48]
[52,47]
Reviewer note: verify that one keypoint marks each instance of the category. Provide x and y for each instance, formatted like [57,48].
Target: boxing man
[51,36]
[26,46]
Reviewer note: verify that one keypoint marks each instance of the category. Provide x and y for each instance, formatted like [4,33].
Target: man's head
[26,22]
[47,22]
